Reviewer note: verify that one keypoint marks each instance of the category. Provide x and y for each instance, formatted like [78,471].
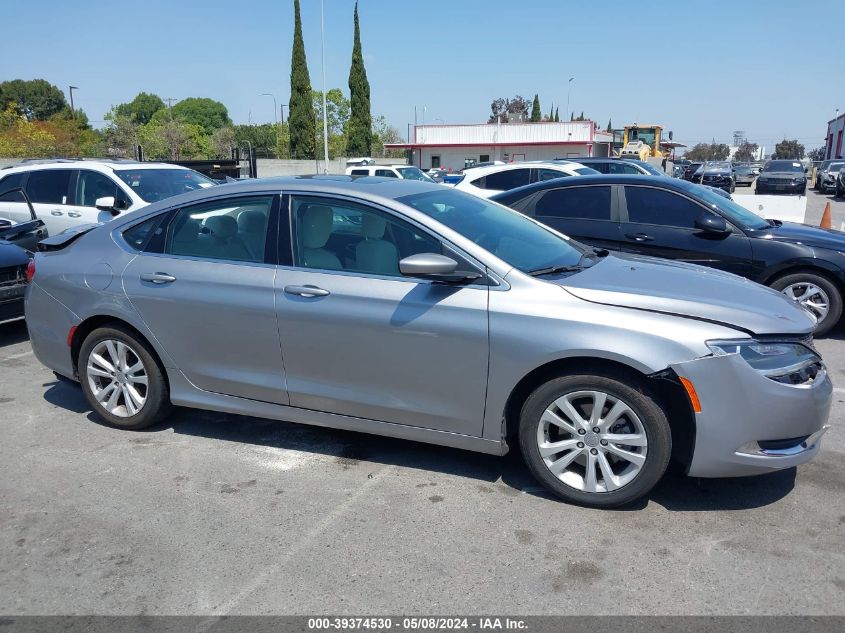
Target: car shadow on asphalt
[675,492]
[12,333]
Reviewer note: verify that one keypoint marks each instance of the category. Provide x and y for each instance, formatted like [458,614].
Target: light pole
[275,109]
[283,112]
[568,92]
[72,109]
[325,112]
[275,119]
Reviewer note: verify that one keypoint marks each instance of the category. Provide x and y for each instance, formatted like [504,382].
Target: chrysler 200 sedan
[413,310]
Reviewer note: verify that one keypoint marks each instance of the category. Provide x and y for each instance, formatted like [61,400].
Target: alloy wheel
[117,378]
[592,441]
[810,296]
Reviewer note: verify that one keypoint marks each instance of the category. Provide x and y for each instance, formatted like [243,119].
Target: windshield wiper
[550,270]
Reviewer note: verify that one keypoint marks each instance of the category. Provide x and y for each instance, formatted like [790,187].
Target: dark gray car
[414,310]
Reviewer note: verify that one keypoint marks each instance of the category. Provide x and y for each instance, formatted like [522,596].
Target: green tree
[359,133]
[174,140]
[789,149]
[339,121]
[301,119]
[745,152]
[223,141]
[502,107]
[37,99]
[557,115]
[206,113]
[609,126]
[384,134]
[141,108]
[536,117]
[551,113]
[817,154]
[708,151]
[121,135]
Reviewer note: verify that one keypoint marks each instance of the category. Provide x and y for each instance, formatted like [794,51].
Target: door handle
[639,237]
[56,212]
[158,278]
[74,214]
[306,291]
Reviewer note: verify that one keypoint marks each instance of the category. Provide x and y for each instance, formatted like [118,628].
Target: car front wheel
[595,440]
[817,294]
[121,379]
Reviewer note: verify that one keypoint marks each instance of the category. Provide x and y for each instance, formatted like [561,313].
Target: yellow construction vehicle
[642,142]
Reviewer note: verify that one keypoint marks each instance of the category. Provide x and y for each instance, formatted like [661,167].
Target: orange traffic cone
[825,223]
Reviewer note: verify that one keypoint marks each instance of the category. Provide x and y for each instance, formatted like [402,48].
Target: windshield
[835,167]
[718,166]
[152,185]
[784,165]
[507,234]
[654,171]
[743,169]
[586,171]
[413,173]
[731,210]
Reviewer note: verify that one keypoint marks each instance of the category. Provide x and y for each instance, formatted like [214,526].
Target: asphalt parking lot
[220,514]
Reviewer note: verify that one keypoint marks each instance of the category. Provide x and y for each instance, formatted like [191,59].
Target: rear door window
[49,186]
[504,180]
[549,174]
[588,203]
[664,208]
[386,173]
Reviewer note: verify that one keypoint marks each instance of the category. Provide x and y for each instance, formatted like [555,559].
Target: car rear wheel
[594,440]
[121,379]
[817,294]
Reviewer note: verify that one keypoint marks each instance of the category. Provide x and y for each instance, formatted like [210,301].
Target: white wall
[454,157]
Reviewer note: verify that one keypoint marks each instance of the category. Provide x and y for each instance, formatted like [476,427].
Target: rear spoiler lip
[64,239]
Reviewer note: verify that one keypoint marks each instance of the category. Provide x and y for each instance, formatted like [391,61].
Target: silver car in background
[413,310]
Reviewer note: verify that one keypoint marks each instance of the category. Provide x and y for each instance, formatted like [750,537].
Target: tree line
[37,122]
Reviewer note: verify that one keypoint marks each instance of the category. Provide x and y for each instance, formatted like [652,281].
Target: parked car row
[673,219]
[826,175]
[479,326]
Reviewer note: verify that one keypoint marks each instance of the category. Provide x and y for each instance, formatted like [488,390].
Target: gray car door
[359,339]
[207,295]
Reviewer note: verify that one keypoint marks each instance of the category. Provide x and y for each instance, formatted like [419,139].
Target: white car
[66,193]
[408,172]
[488,181]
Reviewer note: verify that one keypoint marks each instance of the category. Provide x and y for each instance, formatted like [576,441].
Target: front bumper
[750,424]
[780,187]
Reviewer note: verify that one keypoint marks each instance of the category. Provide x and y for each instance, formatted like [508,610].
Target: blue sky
[703,69]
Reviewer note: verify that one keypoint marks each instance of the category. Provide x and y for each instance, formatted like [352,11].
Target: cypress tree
[557,115]
[552,112]
[301,124]
[535,110]
[609,126]
[360,127]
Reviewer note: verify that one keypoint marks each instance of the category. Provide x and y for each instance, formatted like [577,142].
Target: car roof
[675,184]
[495,169]
[70,163]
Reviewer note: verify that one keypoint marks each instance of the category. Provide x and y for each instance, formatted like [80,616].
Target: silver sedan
[412,310]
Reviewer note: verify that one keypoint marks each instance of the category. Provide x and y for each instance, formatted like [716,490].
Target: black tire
[618,385]
[156,405]
[834,312]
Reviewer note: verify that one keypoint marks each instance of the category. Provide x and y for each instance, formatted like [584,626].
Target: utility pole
[72,109]
[325,112]
[170,101]
[568,92]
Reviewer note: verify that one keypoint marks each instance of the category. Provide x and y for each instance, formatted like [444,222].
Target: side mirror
[110,204]
[427,265]
[436,267]
[710,223]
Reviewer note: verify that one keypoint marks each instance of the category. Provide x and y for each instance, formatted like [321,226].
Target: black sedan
[16,242]
[782,176]
[674,219]
[716,174]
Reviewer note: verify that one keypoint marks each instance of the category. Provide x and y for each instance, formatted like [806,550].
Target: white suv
[408,172]
[66,192]
[488,181]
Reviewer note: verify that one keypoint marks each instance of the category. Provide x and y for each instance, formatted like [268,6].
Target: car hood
[670,287]
[805,234]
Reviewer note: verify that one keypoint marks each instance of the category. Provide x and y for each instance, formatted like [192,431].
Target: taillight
[30,270]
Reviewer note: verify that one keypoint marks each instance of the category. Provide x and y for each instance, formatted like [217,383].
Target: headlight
[789,363]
